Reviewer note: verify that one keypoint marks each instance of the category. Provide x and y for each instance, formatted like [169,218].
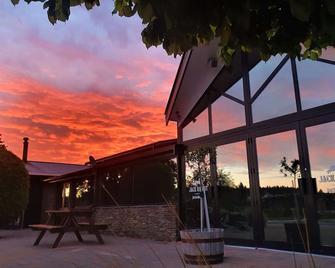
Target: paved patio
[16,250]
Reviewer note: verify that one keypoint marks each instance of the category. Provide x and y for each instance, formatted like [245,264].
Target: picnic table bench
[68,223]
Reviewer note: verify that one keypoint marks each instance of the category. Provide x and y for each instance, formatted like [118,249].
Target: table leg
[75,224]
[58,239]
[99,237]
[39,238]
[94,230]
[80,239]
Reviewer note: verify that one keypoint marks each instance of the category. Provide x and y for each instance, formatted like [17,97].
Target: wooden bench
[99,226]
[69,223]
[46,227]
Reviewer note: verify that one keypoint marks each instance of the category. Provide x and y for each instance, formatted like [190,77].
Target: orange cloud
[70,126]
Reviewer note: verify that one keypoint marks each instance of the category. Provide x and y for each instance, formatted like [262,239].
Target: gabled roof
[50,169]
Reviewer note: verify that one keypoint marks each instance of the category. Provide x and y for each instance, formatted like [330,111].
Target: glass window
[328,54]
[197,128]
[197,168]
[66,195]
[84,192]
[234,191]
[226,113]
[321,147]
[117,186]
[316,82]
[262,71]
[278,98]
[280,197]
[154,183]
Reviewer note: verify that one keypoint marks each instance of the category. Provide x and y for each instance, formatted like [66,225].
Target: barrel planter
[202,247]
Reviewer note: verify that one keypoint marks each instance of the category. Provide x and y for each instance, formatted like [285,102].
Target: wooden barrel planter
[202,247]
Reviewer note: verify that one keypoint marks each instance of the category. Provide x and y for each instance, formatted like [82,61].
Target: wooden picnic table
[69,223]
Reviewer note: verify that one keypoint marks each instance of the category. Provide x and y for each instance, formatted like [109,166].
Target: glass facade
[262,70]
[321,144]
[227,113]
[197,128]
[277,98]
[267,165]
[317,83]
[280,197]
[234,191]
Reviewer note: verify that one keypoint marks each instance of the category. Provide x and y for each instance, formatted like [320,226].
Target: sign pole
[201,214]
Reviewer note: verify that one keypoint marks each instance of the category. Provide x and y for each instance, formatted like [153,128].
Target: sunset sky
[85,87]
[90,87]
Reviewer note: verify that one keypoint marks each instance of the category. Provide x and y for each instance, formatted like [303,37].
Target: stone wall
[157,222]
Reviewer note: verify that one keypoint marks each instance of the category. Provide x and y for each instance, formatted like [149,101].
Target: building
[133,191]
[252,114]
[39,171]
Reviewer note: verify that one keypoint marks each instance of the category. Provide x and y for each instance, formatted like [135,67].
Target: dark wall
[33,212]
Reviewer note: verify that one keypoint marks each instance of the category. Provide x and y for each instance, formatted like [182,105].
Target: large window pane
[262,71]
[234,191]
[321,145]
[328,54]
[226,113]
[278,97]
[154,183]
[281,201]
[117,186]
[197,169]
[197,128]
[317,83]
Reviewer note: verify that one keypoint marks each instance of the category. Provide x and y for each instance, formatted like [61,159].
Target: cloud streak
[87,87]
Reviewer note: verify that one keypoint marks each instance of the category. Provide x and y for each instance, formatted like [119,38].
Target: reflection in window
[234,191]
[316,82]
[84,192]
[278,97]
[321,146]
[226,113]
[117,186]
[197,170]
[262,71]
[328,54]
[197,128]
[66,195]
[154,183]
[281,200]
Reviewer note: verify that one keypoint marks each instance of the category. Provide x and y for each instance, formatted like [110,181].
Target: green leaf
[308,42]
[15,2]
[146,13]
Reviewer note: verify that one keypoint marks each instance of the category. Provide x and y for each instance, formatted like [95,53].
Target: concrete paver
[16,250]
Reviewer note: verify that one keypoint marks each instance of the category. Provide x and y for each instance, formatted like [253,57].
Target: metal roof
[50,169]
[158,150]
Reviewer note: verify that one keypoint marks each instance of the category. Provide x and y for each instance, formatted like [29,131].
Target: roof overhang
[198,83]
[161,150]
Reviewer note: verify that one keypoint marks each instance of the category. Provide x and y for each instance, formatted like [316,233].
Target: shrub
[14,186]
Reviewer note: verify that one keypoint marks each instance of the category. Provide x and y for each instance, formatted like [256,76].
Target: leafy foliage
[14,186]
[198,162]
[272,27]
[291,169]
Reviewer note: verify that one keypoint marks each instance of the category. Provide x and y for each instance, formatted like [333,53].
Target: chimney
[25,149]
